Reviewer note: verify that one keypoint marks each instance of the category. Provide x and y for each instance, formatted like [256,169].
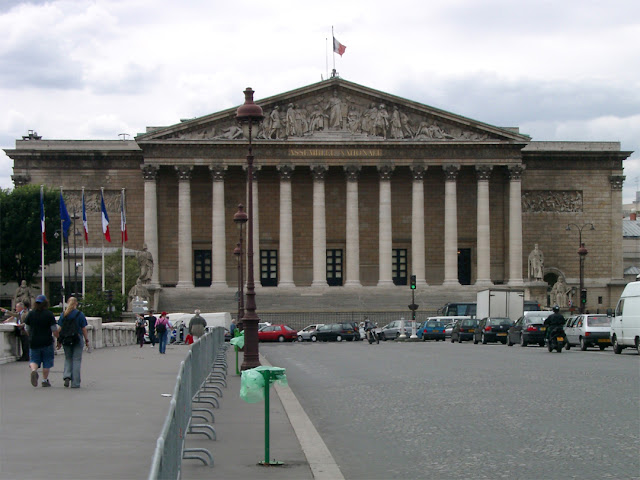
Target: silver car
[588,330]
[305,333]
[391,331]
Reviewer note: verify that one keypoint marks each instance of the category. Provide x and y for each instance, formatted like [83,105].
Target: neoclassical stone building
[356,190]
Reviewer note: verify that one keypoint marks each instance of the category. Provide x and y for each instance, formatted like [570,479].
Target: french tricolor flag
[44,232]
[84,220]
[338,47]
[105,218]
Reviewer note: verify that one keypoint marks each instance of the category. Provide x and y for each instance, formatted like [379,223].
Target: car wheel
[583,344]
[300,338]
[567,345]
[452,339]
[617,349]
[281,338]
[503,341]
[541,344]
[339,338]
[602,347]
[508,341]
[484,339]
[397,335]
[460,339]
[314,338]
[523,343]
[475,340]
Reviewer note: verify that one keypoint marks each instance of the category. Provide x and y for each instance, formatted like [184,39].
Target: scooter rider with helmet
[556,319]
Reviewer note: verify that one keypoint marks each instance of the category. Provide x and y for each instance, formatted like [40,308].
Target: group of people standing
[37,330]
[158,329]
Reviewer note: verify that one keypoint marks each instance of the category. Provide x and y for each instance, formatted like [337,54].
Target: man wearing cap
[42,327]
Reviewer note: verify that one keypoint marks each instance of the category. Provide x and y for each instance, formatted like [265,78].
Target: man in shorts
[42,327]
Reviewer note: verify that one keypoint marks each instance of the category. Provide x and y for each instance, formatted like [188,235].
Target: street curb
[321,462]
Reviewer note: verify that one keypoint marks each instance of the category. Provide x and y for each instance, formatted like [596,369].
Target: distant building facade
[353,189]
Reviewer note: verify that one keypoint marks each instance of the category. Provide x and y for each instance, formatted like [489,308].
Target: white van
[625,326]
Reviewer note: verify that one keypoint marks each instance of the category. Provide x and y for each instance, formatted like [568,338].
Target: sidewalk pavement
[108,428]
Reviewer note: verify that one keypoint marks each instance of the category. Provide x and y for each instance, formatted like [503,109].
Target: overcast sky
[559,70]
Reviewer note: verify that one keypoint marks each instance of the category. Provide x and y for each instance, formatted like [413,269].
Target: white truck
[625,325]
[500,302]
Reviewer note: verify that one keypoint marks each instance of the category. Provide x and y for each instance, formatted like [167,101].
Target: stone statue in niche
[536,264]
[560,293]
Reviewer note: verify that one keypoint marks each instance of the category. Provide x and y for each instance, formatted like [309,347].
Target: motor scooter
[556,339]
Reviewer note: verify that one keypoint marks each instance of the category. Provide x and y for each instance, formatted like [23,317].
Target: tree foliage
[20,232]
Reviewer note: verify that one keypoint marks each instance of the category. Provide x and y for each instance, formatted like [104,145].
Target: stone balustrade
[101,335]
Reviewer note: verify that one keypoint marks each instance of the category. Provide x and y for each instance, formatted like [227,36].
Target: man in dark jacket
[556,319]
[151,322]
[197,325]
[42,327]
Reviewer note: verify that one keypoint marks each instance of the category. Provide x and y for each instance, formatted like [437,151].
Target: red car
[277,333]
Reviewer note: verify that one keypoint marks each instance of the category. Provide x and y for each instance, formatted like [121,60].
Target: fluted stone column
[417,225]
[150,175]
[450,226]
[617,269]
[352,277]
[185,244]
[385,234]
[483,277]
[218,233]
[515,226]
[319,227]
[285,254]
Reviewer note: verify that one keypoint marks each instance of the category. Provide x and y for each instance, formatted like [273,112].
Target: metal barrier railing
[195,370]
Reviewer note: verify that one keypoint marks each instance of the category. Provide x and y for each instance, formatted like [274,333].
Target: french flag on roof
[105,218]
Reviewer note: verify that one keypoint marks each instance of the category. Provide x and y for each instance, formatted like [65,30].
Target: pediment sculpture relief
[342,116]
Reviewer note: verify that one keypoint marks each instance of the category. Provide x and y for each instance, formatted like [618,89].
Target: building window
[334,267]
[399,266]
[269,268]
[202,268]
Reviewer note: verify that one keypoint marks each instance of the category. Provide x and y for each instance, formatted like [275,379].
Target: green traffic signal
[413,282]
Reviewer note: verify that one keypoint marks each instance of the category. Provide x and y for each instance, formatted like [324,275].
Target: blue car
[432,329]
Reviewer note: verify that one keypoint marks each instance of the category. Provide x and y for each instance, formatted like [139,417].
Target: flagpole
[64,292]
[102,198]
[42,238]
[326,55]
[333,39]
[84,242]
[122,217]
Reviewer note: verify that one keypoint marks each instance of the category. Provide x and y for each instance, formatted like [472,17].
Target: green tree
[20,232]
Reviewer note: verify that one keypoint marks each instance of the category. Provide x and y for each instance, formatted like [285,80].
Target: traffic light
[413,282]
[583,296]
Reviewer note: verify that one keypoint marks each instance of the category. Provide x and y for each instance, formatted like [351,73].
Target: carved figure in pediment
[407,130]
[396,124]
[353,120]
[291,121]
[367,118]
[302,123]
[275,125]
[318,120]
[231,133]
[335,112]
[381,122]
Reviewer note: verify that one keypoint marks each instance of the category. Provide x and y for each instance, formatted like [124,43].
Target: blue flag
[64,217]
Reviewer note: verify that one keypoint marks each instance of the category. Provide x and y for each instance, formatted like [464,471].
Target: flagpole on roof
[102,202]
[64,292]
[123,229]
[326,56]
[42,233]
[333,39]
[84,215]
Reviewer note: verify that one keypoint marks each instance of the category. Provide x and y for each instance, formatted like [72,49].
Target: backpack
[161,327]
[69,334]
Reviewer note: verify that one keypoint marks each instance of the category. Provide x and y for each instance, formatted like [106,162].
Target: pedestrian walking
[151,323]
[22,337]
[140,329]
[232,328]
[197,325]
[73,337]
[162,329]
[42,327]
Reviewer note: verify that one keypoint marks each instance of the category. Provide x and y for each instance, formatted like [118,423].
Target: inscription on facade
[335,153]
[563,201]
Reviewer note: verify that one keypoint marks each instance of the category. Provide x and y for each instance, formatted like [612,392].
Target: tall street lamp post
[582,253]
[249,115]
[240,218]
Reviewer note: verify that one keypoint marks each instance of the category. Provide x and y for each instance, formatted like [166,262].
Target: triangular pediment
[338,110]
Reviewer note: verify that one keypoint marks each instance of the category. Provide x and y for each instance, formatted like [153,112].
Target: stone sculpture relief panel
[563,201]
[338,114]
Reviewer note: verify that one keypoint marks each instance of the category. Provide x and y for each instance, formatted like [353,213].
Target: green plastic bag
[238,341]
[252,382]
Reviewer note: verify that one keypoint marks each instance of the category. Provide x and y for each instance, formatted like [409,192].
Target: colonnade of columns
[385,238]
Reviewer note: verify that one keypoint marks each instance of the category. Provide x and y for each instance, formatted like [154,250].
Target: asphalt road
[452,411]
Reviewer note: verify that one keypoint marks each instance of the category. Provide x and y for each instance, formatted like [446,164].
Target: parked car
[492,329]
[391,330]
[464,329]
[625,326]
[305,333]
[588,331]
[431,329]
[277,333]
[528,329]
[334,332]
